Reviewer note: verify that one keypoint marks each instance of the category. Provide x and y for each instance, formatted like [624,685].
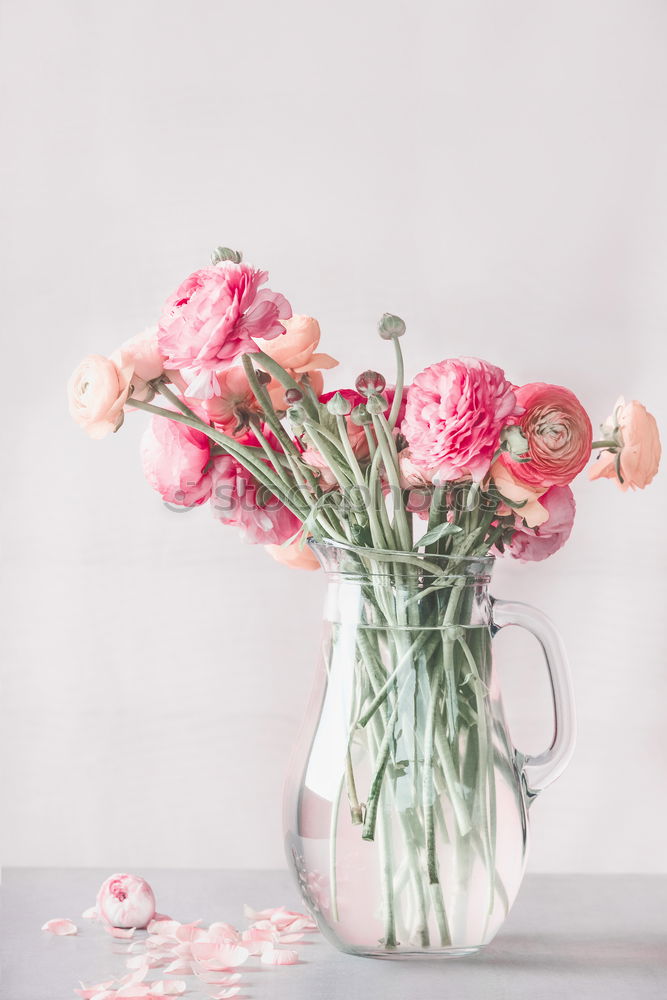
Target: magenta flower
[454,414]
[213,317]
[534,544]
[175,459]
[237,499]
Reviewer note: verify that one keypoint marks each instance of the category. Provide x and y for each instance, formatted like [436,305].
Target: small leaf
[434,534]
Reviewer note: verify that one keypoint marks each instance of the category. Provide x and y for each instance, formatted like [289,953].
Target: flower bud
[296,414]
[370,382]
[293,396]
[224,253]
[377,404]
[391,326]
[360,415]
[126,901]
[339,405]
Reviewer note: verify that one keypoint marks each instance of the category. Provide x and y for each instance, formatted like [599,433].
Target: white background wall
[495,173]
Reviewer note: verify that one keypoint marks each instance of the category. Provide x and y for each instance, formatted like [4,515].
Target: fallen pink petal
[90,913]
[277,956]
[169,987]
[60,926]
[217,978]
[119,932]
[87,992]
[179,968]
[226,994]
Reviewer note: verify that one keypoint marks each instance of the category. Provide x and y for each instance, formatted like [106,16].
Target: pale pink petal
[169,987]
[86,992]
[224,932]
[137,976]
[205,950]
[190,932]
[179,968]
[182,951]
[105,995]
[226,994]
[133,991]
[218,978]
[120,932]
[60,926]
[259,934]
[163,925]
[90,913]
[291,938]
[278,956]
[137,961]
[233,955]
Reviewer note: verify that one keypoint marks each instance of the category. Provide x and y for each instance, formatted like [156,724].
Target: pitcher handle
[541,769]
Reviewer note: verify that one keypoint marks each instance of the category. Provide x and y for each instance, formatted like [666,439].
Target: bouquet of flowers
[245,425]
[408,483]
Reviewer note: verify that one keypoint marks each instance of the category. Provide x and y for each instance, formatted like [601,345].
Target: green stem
[398,391]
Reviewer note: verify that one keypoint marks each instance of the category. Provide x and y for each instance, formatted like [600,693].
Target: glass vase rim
[480,566]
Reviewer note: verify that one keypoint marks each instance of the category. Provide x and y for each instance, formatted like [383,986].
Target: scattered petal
[119,932]
[226,994]
[60,926]
[217,978]
[134,991]
[224,932]
[179,968]
[291,938]
[163,925]
[190,932]
[169,987]
[90,913]
[87,992]
[278,956]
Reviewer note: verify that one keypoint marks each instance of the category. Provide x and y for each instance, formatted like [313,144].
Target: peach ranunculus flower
[294,555]
[559,435]
[295,351]
[636,455]
[531,510]
[142,354]
[97,391]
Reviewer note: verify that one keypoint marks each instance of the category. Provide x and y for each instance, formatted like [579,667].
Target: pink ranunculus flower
[454,414]
[534,544]
[638,450]
[175,460]
[214,316]
[126,901]
[532,511]
[97,392]
[142,354]
[237,499]
[559,435]
[294,555]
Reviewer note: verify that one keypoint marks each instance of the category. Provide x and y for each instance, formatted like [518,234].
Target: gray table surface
[568,936]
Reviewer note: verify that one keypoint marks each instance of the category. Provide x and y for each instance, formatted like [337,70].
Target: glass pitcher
[406,804]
